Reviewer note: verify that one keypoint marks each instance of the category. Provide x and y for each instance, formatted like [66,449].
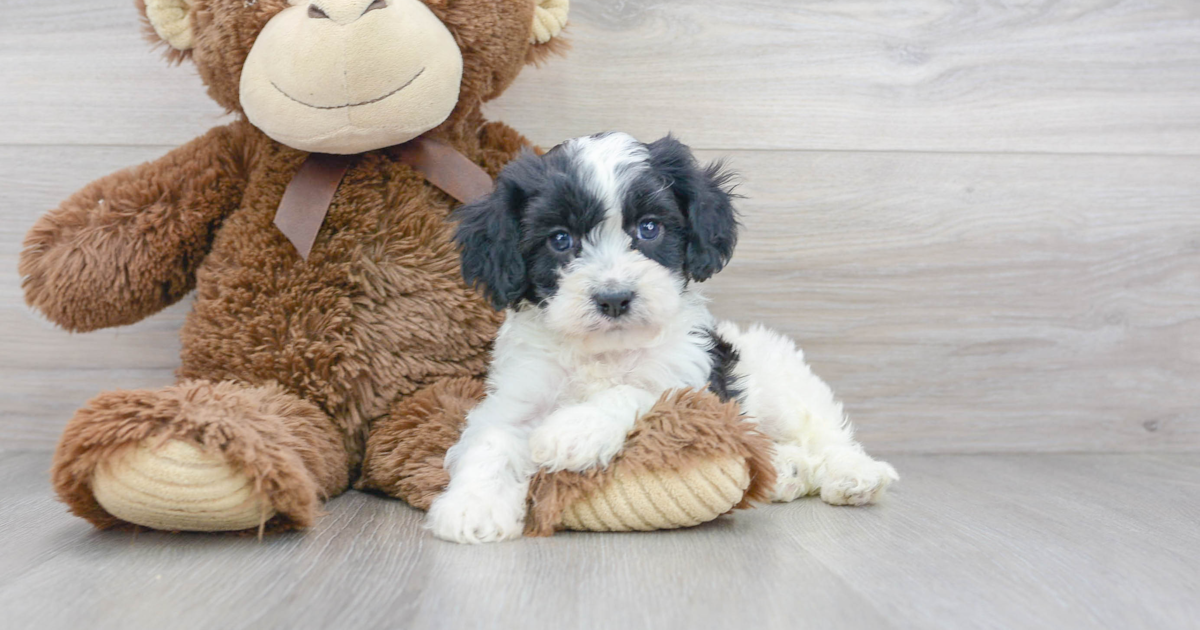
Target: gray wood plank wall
[981,220]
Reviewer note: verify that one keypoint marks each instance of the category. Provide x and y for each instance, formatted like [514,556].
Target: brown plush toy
[349,348]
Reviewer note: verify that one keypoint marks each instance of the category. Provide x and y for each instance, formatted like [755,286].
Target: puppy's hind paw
[793,473]
[860,481]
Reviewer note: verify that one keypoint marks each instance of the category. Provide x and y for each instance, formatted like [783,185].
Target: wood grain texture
[949,75]
[1013,541]
[1099,76]
[85,75]
[989,302]
[48,373]
[957,303]
[981,220]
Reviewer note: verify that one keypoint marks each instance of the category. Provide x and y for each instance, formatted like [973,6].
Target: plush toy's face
[347,76]
[339,75]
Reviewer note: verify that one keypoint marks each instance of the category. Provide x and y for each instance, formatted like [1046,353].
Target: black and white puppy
[593,249]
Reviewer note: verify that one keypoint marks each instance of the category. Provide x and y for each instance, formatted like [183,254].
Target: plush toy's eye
[560,241]
[649,230]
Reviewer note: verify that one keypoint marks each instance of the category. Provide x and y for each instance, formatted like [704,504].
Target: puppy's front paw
[577,438]
[855,479]
[475,517]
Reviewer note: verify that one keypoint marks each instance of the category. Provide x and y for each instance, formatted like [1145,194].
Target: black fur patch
[503,237]
[706,197]
[722,381]
[649,196]
[560,201]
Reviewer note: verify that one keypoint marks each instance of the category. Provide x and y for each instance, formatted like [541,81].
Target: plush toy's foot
[199,456]
[179,486]
[405,450]
[688,461]
[649,500]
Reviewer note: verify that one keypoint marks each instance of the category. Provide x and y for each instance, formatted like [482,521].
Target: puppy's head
[603,233]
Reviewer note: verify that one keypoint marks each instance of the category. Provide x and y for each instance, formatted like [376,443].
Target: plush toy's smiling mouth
[366,102]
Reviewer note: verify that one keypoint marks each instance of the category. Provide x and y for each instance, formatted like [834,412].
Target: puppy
[593,249]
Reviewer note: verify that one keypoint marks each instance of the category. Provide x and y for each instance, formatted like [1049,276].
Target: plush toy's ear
[489,234]
[545,39]
[706,197]
[171,21]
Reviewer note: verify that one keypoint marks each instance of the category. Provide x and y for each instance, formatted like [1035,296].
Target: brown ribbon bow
[307,197]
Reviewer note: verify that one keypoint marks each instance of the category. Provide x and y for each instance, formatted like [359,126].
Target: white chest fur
[566,371]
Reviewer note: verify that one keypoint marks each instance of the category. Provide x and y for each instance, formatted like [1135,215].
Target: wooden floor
[980,219]
[966,541]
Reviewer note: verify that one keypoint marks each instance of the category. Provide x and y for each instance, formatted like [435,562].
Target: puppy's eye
[649,230]
[560,241]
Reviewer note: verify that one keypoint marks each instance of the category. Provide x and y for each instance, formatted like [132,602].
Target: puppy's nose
[614,304]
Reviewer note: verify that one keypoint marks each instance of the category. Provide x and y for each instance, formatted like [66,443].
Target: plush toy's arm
[127,245]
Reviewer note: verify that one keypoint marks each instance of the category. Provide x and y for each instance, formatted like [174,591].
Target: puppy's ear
[489,234]
[706,197]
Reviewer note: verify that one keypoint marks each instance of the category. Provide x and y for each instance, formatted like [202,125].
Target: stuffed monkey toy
[332,340]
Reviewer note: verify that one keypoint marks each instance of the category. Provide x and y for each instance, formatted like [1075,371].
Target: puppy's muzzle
[613,304]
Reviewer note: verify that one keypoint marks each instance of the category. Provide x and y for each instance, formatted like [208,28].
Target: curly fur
[299,372]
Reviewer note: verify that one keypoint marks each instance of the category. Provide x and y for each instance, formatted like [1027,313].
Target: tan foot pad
[661,500]
[178,487]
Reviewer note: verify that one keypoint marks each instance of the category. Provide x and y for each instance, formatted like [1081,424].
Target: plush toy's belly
[379,309]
